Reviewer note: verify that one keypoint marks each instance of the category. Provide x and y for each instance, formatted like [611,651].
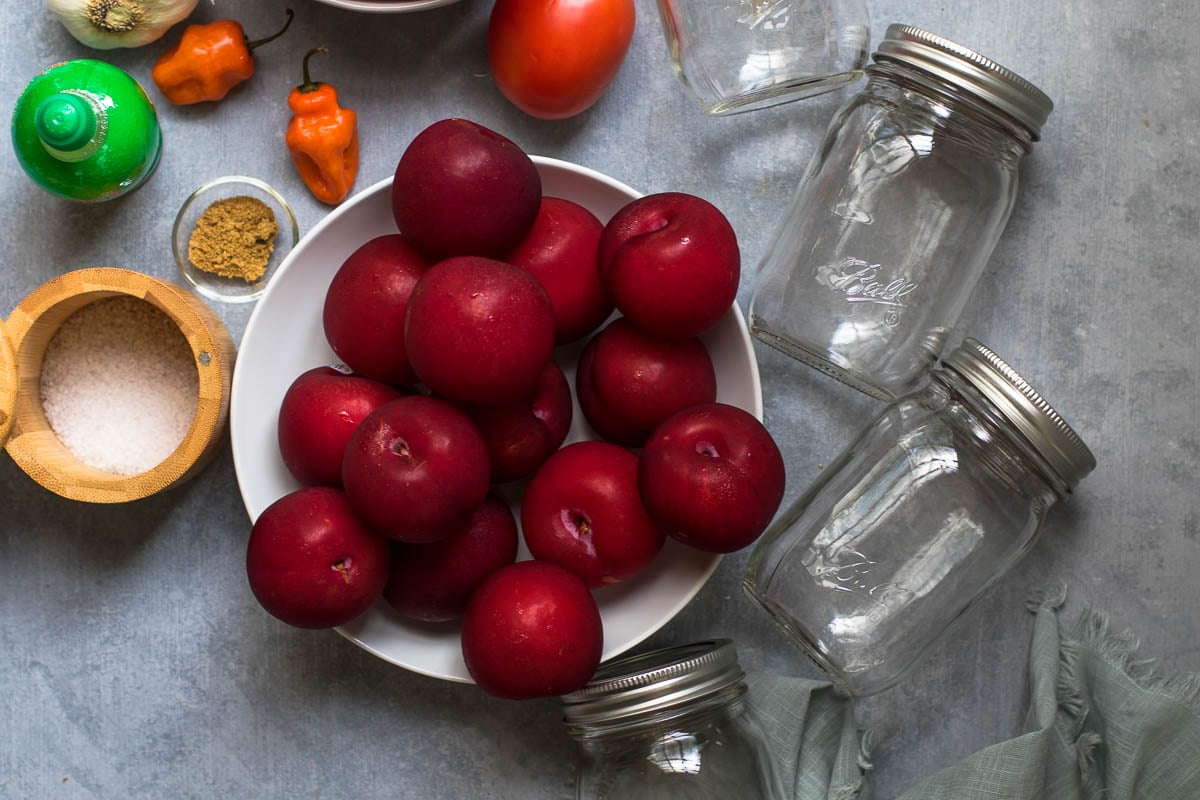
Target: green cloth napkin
[1101,724]
[815,747]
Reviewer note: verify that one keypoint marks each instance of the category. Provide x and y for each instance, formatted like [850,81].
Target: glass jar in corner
[750,54]
[670,723]
[931,505]
[898,213]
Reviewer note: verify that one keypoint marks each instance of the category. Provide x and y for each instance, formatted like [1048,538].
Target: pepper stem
[114,16]
[309,84]
[253,43]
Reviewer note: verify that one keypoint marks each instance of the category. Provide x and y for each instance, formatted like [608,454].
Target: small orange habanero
[209,60]
[322,138]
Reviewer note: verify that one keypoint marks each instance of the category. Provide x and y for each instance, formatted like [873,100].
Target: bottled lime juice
[85,130]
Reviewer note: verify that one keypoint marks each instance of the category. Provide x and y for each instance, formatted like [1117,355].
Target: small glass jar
[750,54]
[898,213]
[670,723]
[935,501]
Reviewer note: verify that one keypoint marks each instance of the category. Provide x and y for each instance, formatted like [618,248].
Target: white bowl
[386,6]
[284,337]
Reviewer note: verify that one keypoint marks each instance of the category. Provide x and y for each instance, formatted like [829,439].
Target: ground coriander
[234,238]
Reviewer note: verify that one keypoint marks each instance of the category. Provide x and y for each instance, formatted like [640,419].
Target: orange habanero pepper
[209,60]
[322,138]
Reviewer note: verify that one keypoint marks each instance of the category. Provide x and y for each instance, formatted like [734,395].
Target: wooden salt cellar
[33,444]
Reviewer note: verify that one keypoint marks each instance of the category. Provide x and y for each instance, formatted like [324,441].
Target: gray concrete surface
[134,661]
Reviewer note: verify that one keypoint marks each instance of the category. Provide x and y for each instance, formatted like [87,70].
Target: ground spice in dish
[119,385]
[234,238]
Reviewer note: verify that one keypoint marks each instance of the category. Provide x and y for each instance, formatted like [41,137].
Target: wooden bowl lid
[8,385]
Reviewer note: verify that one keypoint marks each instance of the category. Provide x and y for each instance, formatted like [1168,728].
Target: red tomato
[554,58]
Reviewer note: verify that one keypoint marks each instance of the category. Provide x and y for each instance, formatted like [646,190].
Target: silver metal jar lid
[651,682]
[999,86]
[1028,412]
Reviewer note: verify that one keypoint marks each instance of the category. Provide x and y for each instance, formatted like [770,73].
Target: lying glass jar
[670,723]
[933,503]
[898,213]
[751,54]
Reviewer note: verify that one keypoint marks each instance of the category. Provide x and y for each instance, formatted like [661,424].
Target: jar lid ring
[1019,403]
[642,684]
[1017,99]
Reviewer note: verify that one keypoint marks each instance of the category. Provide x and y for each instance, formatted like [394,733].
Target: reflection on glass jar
[935,501]
[749,54]
[670,723]
[897,214]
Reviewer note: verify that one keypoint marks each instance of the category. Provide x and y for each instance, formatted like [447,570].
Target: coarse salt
[119,385]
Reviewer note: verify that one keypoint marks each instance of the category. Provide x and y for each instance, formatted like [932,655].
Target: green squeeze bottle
[85,130]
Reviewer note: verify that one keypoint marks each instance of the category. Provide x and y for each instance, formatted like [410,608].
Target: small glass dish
[210,284]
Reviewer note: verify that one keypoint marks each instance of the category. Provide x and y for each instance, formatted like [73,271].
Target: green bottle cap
[65,121]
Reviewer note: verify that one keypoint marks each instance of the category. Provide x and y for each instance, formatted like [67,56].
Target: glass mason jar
[740,55]
[935,501]
[898,213]
[670,723]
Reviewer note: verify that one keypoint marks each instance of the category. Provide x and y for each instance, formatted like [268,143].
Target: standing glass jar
[935,501]
[670,723]
[898,213]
